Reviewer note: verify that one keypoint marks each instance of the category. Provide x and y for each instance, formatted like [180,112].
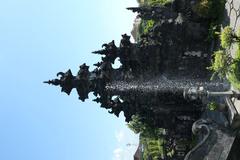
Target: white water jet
[160,85]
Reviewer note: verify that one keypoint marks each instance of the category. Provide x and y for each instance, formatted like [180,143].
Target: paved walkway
[233,12]
[232,18]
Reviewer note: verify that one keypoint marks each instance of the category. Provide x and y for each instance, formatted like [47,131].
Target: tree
[137,126]
[228,36]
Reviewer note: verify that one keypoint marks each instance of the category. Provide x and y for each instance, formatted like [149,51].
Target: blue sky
[38,38]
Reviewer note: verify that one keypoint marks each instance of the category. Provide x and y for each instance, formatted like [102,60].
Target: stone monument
[153,76]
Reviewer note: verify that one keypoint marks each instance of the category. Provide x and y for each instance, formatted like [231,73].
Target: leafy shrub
[148,26]
[227,37]
[219,64]
[145,26]
[137,126]
[150,137]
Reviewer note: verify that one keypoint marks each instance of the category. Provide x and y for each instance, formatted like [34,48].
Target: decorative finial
[55,82]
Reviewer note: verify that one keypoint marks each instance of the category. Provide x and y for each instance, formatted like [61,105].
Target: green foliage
[234,75]
[141,28]
[150,137]
[158,2]
[137,126]
[227,37]
[219,60]
[145,26]
[153,2]
[212,106]
[153,147]
[148,26]
[213,32]
[210,9]
[223,64]
[219,64]
[237,55]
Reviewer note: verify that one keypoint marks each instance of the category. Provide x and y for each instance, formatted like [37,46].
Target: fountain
[194,93]
[161,79]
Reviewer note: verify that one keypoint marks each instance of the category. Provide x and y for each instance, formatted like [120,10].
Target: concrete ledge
[233,114]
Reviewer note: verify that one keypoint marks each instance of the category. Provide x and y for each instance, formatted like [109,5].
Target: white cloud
[118,154]
[123,154]
[120,135]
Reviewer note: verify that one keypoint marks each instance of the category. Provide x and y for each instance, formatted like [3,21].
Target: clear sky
[38,38]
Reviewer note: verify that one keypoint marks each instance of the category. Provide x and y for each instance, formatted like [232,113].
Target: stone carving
[216,141]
